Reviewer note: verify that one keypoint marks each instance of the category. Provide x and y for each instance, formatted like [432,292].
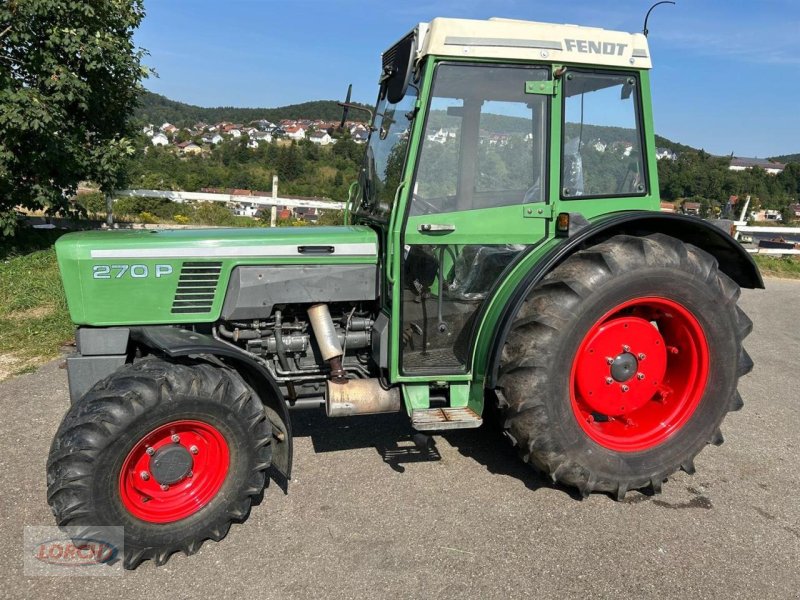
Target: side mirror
[345,106]
[398,67]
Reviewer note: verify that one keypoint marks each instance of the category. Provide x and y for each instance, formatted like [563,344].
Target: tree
[69,79]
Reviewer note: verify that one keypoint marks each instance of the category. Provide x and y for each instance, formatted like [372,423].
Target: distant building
[169,128]
[739,163]
[295,132]
[665,154]
[252,143]
[189,148]
[159,139]
[322,138]
[212,138]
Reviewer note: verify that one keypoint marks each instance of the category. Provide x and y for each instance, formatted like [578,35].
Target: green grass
[34,322]
[785,267]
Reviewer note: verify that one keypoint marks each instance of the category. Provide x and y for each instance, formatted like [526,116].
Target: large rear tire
[622,363]
[171,452]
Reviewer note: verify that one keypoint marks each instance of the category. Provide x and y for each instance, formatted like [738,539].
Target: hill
[787,158]
[157,109]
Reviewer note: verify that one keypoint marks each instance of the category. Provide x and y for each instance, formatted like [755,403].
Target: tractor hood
[144,277]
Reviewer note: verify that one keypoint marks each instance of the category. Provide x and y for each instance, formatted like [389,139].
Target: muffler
[327,340]
[360,397]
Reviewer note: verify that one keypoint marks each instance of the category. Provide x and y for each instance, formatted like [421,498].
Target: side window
[602,139]
[485,140]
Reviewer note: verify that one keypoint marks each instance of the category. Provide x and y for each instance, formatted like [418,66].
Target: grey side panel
[253,291]
[84,371]
[380,341]
[105,340]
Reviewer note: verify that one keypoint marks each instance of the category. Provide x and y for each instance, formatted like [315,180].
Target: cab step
[430,419]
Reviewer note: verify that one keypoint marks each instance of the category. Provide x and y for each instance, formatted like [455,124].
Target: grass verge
[34,321]
[775,266]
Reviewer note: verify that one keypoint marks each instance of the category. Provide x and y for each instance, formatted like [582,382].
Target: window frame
[640,124]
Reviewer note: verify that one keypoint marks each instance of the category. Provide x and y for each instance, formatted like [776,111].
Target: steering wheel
[420,206]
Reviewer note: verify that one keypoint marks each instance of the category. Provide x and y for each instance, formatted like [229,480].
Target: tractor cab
[483,132]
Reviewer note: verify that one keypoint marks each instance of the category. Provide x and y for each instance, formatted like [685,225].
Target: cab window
[602,148]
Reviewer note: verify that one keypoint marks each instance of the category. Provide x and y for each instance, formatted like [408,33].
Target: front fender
[733,260]
[175,342]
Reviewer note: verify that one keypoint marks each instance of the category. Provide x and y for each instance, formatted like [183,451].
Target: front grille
[197,287]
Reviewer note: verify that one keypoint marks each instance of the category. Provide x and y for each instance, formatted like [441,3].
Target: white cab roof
[533,41]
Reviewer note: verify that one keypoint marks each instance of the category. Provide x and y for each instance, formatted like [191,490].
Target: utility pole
[273,213]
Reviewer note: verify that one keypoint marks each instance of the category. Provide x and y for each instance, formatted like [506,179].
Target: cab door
[478,199]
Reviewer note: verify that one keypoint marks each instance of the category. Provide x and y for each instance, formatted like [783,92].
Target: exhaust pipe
[360,397]
[328,340]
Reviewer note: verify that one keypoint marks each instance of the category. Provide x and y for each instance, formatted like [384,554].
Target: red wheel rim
[639,374]
[155,501]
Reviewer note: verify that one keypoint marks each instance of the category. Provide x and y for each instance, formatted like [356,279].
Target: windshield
[385,156]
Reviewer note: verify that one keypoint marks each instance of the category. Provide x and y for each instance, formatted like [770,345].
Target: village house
[262,136]
[295,132]
[169,128]
[189,148]
[322,138]
[665,153]
[159,139]
[212,138]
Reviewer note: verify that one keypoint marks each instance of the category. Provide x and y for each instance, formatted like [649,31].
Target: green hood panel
[146,277]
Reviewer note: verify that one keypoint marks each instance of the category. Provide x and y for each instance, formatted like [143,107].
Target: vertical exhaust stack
[328,340]
[347,397]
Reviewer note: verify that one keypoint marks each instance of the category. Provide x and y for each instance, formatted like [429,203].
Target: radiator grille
[197,286]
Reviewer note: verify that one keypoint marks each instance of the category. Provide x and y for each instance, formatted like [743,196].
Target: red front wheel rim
[639,374]
[174,471]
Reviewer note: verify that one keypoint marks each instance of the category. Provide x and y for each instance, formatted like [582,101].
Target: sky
[726,73]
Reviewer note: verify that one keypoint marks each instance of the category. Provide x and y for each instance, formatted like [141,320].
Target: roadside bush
[181,219]
[147,218]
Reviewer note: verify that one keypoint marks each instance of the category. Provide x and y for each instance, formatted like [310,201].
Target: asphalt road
[369,516]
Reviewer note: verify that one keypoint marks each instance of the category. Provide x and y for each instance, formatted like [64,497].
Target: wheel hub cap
[171,463]
[624,367]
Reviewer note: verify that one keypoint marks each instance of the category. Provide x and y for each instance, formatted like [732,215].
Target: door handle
[436,228]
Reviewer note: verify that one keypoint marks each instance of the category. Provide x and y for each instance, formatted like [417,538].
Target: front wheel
[171,452]
[622,364]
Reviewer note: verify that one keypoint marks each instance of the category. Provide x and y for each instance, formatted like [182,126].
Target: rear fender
[176,343]
[733,260]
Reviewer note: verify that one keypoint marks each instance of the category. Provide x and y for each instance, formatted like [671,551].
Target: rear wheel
[622,363]
[172,452]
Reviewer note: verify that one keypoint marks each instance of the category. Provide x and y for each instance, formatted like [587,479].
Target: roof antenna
[645,31]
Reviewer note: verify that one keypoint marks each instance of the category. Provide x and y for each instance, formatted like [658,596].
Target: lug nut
[164,487]
[609,380]
[144,475]
[150,450]
[626,348]
[175,438]
[609,360]
[642,356]
[194,450]
[640,376]
[625,388]
[190,473]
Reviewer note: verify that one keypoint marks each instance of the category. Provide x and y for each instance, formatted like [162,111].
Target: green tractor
[502,248]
